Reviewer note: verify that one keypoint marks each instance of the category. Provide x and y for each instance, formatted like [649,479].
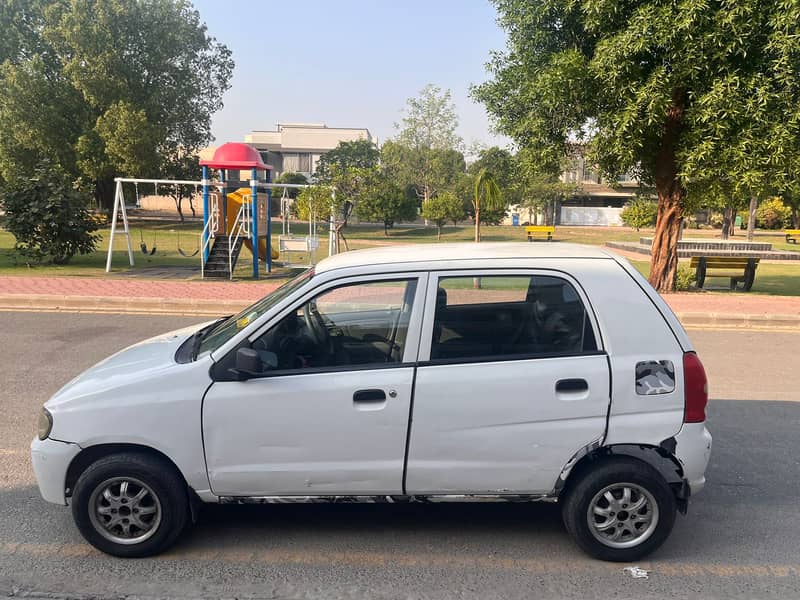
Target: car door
[329,413]
[512,382]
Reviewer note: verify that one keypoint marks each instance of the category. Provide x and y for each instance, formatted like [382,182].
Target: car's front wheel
[620,510]
[130,505]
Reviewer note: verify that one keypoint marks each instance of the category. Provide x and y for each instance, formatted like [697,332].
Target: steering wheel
[315,325]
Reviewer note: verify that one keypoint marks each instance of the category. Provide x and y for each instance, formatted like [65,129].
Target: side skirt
[426,499]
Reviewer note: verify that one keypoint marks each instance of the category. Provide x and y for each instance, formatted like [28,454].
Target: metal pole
[205,215]
[113,226]
[268,176]
[254,219]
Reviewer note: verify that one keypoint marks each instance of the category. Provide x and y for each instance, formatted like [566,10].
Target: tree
[441,209]
[383,201]
[430,121]
[427,171]
[678,94]
[486,195]
[314,203]
[639,212]
[292,179]
[506,170]
[120,88]
[182,166]
[358,154]
[48,217]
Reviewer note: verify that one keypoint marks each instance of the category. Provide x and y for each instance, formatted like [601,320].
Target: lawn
[167,236]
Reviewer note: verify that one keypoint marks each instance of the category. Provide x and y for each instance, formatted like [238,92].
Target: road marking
[358,559]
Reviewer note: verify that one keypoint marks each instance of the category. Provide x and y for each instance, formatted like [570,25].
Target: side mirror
[251,363]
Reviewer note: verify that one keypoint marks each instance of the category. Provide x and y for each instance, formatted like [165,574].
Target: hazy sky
[350,63]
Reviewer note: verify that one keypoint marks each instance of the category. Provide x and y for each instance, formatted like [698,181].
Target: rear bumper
[693,449]
[51,459]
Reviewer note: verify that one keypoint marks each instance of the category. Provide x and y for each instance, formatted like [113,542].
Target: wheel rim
[125,510]
[622,515]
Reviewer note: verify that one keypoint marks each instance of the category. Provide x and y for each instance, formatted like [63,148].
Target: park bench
[792,235]
[727,264]
[543,231]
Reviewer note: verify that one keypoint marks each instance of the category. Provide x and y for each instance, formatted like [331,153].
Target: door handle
[572,386]
[369,396]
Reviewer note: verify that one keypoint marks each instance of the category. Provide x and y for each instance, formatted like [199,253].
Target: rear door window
[507,316]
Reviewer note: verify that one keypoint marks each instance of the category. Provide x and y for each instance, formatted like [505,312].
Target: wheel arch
[91,454]
[661,458]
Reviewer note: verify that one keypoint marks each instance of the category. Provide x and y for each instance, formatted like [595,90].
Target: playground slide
[262,250]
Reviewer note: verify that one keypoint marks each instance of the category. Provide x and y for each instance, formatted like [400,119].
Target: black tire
[165,491]
[594,479]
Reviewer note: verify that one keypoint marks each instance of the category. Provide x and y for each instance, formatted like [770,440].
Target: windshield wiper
[201,334]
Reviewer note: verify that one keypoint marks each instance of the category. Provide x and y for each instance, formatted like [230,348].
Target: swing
[143,246]
[183,252]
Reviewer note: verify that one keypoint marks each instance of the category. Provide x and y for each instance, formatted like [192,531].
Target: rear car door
[512,382]
[329,415]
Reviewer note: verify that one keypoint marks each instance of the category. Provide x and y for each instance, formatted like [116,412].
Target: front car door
[512,382]
[329,414]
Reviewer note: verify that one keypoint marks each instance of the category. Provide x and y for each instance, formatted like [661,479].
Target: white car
[430,373]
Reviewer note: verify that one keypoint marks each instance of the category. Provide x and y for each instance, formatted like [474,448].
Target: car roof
[455,252]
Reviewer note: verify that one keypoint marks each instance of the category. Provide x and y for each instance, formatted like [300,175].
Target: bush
[684,278]
[639,212]
[773,214]
[49,217]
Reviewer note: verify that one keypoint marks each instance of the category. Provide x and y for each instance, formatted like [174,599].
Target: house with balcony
[595,201]
[297,147]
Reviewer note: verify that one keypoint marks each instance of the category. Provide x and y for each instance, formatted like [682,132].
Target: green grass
[775,279]
[772,279]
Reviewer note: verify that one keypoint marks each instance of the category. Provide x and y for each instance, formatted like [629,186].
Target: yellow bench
[544,231]
[726,263]
[792,235]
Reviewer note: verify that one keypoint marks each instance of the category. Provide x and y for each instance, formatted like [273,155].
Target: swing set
[235,214]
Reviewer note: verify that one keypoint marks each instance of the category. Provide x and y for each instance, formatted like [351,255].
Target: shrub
[639,212]
[684,278]
[49,217]
[773,214]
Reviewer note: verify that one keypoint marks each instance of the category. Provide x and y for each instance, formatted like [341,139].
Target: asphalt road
[741,538]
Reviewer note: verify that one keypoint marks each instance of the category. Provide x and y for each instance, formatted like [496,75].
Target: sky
[350,63]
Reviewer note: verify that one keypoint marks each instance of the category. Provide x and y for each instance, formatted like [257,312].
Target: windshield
[226,329]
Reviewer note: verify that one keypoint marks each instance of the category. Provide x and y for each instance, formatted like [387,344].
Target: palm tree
[487,195]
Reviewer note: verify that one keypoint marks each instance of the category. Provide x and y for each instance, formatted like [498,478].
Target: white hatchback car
[452,372]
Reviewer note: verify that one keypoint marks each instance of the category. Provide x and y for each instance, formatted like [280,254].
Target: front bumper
[693,449]
[51,459]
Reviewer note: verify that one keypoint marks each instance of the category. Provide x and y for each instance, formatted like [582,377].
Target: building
[296,147]
[596,201]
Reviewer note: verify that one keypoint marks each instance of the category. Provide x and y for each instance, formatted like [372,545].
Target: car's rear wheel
[620,510]
[130,505]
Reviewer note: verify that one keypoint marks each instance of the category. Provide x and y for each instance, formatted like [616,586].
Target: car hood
[135,363]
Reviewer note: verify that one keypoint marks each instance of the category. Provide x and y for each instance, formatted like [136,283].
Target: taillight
[695,389]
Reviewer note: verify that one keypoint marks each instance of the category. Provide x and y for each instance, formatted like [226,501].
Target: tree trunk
[477,223]
[438,232]
[751,220]
[726,222]
[664,251]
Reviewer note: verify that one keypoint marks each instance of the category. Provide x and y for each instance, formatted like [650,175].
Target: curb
[196,307]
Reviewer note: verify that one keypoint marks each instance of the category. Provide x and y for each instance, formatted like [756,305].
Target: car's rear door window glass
[507,316]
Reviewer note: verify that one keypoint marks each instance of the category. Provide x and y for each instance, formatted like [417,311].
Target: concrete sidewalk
[214,298]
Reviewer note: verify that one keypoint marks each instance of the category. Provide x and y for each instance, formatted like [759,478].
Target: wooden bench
[543,231]
[726,263]
[792,235]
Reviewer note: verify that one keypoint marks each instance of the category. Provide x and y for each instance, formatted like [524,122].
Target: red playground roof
[236,155]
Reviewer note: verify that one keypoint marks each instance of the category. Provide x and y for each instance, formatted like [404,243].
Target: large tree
[430,121]
[106,88]
[681,94]
[426,171]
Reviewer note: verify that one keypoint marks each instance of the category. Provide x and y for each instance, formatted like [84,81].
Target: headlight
[45,423]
